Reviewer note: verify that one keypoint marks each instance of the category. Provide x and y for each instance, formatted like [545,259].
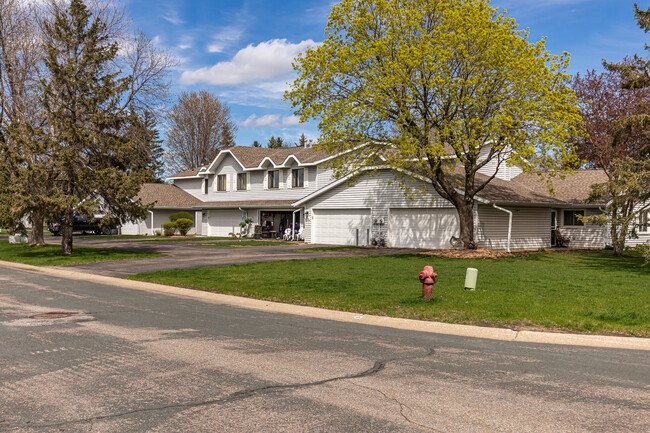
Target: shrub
[169,228]
[184,225]
[182,214]
[645,250]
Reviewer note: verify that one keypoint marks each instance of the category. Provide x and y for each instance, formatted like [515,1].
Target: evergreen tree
[302,141]
[275,143]
[99,164]
[256,144]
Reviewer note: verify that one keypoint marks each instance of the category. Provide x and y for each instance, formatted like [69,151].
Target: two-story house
[294,187]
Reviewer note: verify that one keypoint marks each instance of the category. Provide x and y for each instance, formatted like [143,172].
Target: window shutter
[248,181]
[281,177]
[215,182]
[290,179]
[233,182]
[306,177]
[266,180]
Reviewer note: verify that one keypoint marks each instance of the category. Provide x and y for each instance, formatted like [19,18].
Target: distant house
[277,187]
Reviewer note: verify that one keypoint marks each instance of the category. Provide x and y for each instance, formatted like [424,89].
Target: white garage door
[339,226]
[221,222]
[422,228]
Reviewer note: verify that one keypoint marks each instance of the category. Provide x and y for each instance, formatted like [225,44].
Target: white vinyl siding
[531,227]
[422,228]
[378,191]
[223,222]
[586,236]
[341,226]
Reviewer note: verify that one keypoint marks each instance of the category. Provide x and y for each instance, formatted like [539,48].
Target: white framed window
[222,182]
[274,179]
[644,222]
[298,178]
[242,181]
[571,217]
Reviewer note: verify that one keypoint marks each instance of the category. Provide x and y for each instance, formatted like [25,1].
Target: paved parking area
[185,255]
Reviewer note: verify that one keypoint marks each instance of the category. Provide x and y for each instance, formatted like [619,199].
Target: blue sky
[241,50]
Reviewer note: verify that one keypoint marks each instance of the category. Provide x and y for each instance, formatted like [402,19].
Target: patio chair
[560,240]
[299,235]
[287,235]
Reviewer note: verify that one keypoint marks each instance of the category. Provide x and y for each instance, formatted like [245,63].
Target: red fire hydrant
[428,279]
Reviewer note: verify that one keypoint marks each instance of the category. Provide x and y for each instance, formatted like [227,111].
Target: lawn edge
[501,334]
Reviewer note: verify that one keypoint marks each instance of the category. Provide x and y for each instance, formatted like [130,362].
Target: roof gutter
[509,212]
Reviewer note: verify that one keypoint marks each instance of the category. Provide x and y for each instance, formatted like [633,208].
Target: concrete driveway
[140,361]
[184,255]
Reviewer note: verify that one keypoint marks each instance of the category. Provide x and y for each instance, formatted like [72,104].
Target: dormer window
[242,181]
[221,182]
[274,179]
[298,178]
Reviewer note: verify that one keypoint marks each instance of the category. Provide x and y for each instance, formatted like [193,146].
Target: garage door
[339,226]
[130,228]
[221,222]
[422,228]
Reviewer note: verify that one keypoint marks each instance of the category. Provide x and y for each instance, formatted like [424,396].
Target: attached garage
[422,228]
[223,222]
[341,226]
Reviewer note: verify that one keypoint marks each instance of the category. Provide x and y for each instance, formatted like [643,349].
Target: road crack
[236,396]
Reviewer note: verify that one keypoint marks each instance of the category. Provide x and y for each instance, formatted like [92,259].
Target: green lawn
[234,243]
[47,255]
[45,232]
[580,291]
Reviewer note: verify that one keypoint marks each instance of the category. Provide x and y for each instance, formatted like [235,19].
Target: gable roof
[251,157]
[164,195]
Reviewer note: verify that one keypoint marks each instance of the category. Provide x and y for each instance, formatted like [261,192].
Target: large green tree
[418,80]
[98,161]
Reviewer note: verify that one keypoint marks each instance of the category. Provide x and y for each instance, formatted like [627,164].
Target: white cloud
[173,17]
[263,62]
[270,120]
[224,39]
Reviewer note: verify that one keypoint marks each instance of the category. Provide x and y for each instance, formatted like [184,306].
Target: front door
[553,227]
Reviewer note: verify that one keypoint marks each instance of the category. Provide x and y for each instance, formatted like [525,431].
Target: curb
[501,334]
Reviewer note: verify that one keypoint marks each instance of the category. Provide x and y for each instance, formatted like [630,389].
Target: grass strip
[587,291]
[47,255]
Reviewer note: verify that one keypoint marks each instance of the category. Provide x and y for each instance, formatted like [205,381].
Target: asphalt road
[138,361]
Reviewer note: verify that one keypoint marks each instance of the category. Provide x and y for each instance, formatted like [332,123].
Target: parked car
[82,223]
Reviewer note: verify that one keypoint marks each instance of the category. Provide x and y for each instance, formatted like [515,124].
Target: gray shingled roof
[251,157]
[190,172]
[574,188]
[164,195]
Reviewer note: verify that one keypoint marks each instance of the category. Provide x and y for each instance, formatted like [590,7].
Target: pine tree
[256,144]
[99,164]
[302,141]
[275,143]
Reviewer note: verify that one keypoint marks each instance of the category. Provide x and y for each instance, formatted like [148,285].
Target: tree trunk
[619,247]
[66,233]
[466,216]
[36,236]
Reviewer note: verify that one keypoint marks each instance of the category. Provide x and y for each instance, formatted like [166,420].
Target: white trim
[305,176]
[373,168]
[290,178]
[266,179]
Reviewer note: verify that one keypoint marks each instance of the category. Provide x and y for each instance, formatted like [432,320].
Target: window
[298,176]
[571,217]
[205,185]
[242,181]
[221,182]
[644,225]
[274,179]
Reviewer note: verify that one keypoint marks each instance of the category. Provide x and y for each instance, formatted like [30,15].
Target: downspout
[509,212]
[152,231]
[293,225]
